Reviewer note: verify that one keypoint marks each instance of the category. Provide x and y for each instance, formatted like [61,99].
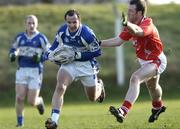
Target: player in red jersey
[149,51]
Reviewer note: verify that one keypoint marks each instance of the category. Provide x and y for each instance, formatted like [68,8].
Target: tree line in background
[27,2]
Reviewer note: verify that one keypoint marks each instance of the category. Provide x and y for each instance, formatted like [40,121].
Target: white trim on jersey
[59,39]
[85,43]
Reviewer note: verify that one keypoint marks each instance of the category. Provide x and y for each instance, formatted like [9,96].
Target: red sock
[126,106]
[157,104]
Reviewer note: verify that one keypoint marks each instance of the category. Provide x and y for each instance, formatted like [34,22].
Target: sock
[38,100]
[157,104]
[126,106]
[20,120]
[55,115]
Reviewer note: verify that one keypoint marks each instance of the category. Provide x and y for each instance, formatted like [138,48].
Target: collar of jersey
[78,32]
[32,36]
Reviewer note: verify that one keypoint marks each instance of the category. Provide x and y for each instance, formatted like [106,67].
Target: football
[62,54]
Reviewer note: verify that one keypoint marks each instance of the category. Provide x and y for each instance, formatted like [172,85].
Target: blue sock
[20,120]
[55,111]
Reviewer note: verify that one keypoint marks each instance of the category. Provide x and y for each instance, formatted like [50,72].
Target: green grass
[96,116]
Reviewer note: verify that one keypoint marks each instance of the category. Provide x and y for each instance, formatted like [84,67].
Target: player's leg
[35,100]
[155,91]
[64,79]
[146,71]
[21,91]
[34,86]
[94,88]
[154,88]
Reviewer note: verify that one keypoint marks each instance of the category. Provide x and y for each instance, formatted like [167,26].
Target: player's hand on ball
[12,57]
[63,60]
[63,55]
[57,62]
[124,19]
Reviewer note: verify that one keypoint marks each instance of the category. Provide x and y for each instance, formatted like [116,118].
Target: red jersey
[148,47]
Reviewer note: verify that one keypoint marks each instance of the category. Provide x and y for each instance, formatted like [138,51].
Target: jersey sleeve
[125,35]
[15,44]
[44,43]
[89,40]
[88,55]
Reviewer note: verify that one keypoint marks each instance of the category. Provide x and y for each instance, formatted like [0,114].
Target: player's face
[73,22]
[132,14]
[31,25]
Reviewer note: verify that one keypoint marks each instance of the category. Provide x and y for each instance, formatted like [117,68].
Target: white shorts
[86,72]
[161,63]
[29,77]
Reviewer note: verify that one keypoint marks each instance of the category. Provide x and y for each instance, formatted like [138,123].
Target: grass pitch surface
[96,116]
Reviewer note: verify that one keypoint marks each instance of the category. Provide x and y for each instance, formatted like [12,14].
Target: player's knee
[134,79]
[61,88]
[19,99]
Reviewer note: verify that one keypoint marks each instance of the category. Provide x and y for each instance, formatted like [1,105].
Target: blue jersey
[25,47]
[83,40]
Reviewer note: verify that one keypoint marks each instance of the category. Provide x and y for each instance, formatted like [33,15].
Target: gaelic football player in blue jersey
[83,66]
[28,48]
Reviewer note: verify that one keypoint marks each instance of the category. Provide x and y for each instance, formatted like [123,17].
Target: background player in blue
[28,48]
[81,39]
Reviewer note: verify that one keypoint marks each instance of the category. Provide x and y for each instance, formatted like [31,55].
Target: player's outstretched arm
[112,42]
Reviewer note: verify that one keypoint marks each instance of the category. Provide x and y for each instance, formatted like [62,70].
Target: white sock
[38,100]
[55,117]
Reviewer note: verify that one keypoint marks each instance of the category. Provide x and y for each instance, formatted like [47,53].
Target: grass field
[96,116]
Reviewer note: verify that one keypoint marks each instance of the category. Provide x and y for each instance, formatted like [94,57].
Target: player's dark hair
[141,5]
[72,12]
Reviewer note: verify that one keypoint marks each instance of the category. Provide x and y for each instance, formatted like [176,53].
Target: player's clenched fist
[12,57]
[124,19]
